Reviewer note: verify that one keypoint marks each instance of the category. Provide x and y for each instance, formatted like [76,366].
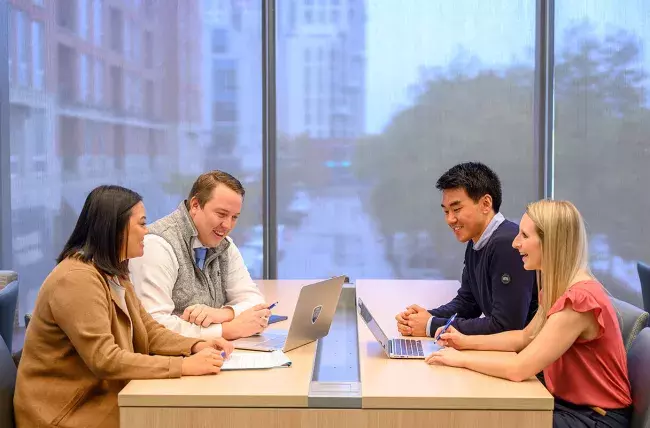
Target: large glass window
[391,111]
[82,15]
[149,97]
[97,22]
[38,55]
[21,27]
[11,39]
[602,129]
[62,148]
[98,82]
[83,78]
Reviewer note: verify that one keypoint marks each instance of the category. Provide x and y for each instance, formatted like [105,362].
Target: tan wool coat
[81,348]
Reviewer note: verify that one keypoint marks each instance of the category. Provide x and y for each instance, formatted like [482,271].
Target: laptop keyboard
[407,347]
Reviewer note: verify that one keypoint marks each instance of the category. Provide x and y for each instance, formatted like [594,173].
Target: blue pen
[272,306]
[444,329]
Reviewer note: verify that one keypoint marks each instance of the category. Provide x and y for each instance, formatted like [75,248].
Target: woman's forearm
[503,366]
[511,341]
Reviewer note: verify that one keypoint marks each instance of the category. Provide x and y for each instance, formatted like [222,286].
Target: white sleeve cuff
[212,331]
[239,307]
[429,326]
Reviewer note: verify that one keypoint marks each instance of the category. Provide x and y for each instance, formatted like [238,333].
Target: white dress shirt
[154,274]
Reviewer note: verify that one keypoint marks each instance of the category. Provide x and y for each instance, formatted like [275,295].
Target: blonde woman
[574,337]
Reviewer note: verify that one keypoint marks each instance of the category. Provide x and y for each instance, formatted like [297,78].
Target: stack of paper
[256,360]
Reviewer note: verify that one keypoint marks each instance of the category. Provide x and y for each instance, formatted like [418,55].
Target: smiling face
[467,219]
[529,244]
[218,216]
[136,231]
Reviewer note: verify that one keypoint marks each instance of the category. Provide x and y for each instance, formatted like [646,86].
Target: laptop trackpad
[261,338]
[429,346]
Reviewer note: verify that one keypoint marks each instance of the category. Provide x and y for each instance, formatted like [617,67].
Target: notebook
[256,360]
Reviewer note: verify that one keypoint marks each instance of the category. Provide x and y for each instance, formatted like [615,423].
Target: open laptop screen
[372,324]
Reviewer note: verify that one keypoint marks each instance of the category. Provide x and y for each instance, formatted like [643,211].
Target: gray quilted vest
[193,285]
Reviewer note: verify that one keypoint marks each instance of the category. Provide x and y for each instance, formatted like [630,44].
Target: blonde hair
[563,240]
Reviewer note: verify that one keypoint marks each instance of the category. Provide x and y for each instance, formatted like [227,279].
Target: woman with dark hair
[89,334]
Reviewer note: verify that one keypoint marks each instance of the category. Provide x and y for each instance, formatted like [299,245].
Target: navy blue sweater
[494,283]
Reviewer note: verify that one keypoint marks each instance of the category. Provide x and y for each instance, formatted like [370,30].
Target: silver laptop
[311,319]
[397,347]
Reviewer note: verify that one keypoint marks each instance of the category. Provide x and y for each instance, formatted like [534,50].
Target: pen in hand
[444,329]
[272,306]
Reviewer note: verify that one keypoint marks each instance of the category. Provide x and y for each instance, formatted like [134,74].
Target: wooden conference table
[394,393]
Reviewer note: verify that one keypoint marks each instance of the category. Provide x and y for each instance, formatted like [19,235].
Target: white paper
[256,360]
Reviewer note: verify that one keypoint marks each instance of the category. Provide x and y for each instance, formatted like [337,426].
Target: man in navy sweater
[494,282]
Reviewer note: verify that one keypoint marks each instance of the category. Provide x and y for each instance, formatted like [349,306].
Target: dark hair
[99,235]
[477,179]
[205,184]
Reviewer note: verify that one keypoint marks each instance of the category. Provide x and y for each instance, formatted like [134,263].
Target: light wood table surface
[280,387]
[395,393]
[412,384]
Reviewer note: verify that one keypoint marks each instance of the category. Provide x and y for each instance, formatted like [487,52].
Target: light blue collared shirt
[485,237]
[489,230]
